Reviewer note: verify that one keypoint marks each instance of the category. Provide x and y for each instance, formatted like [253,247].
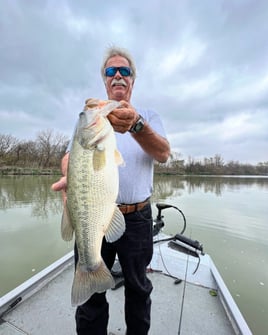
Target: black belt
[131,208]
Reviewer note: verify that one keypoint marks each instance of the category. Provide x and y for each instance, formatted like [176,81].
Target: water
[228,215]
[30,239]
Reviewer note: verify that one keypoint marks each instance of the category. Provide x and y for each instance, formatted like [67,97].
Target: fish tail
[86,283]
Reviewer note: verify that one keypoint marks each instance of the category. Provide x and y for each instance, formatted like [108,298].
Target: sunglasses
[123,70]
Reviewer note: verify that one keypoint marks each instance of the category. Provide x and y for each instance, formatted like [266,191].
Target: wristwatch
[138,126]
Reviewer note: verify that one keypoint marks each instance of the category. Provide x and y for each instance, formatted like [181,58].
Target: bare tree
[7,146]
[27,154]
[49,145]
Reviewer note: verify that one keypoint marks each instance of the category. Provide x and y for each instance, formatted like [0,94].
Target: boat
[189,295]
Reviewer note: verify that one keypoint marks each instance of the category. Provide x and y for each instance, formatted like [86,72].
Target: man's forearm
[155,145]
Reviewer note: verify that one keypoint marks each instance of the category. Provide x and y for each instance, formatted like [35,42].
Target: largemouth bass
[92,187]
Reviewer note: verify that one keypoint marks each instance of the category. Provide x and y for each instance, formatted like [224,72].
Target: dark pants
[134,250]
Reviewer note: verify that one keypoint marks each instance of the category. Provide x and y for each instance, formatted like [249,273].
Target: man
[140,139]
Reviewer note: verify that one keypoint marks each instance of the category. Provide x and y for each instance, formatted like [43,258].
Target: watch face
[138,126]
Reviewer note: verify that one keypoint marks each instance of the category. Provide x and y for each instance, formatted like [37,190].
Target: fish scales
[91,210]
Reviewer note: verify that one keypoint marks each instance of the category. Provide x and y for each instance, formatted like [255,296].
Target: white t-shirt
[136,175]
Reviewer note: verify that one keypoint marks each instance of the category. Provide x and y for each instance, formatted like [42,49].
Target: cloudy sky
[202,65]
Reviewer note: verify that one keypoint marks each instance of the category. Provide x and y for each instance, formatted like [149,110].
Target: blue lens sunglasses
[123,70]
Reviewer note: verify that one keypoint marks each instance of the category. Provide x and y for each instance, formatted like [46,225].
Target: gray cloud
[201,65]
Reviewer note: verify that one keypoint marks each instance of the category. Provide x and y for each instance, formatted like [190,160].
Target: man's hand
[123,117]
[61,185]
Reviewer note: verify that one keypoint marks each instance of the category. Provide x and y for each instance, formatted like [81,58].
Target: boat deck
[186,308]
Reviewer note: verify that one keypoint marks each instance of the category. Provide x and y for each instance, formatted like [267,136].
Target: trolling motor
[159,224]
[178,242]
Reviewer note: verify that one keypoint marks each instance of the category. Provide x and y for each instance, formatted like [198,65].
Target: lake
[228,215]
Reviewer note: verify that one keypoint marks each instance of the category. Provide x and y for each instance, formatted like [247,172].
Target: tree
[7,146]
[49,145]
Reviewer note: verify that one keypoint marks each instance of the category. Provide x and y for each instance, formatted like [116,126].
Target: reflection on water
[30,215]
[169,186]
[227,214]
[19,191]
[236,206]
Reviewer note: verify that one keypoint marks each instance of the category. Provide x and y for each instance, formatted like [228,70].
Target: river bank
[14,171]
[29,171]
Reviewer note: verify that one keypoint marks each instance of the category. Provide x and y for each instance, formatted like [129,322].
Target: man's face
[118,87]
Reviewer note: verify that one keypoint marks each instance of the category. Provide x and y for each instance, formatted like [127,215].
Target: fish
[90,211]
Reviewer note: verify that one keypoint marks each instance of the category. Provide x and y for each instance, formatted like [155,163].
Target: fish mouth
[90,120]
[90,125]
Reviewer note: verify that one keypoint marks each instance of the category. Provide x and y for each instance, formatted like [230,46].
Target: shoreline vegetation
[42,156]
[22,171]
[160,170]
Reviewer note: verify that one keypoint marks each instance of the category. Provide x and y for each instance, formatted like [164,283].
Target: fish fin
[118,158]
[99,159]
[66,225]
[87,283]
[117,226]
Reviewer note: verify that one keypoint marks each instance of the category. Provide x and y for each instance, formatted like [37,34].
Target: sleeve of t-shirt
[154,121]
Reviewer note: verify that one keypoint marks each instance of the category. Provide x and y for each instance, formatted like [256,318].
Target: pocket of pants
[139,233]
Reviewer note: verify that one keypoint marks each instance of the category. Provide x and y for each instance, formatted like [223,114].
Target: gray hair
[116,51]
